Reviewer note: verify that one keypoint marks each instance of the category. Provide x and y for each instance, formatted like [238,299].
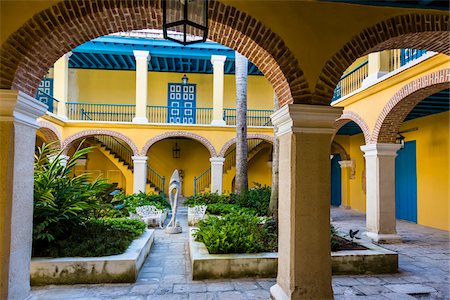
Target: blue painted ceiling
[434,104]
[116,53]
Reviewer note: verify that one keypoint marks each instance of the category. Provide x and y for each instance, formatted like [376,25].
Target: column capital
[346,163]
[21,108]
[218,59]
[217,160]
[139,159]
[304,118]
[141,54]
[380,149]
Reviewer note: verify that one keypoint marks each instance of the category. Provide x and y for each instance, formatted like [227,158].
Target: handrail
[53,106]
[100,111]
[116,147]
[202,181]
[230,157]
[157,180]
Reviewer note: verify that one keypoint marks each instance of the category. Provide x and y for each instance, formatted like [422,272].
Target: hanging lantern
[176,151]
[185,21]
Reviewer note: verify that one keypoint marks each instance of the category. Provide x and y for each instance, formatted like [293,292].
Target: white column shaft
[18,126]
[139,174]
[380,191]
[218,62]
[61,83]
[142,58]
[216,174]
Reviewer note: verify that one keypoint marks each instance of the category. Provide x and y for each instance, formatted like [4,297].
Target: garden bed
[106,269]
[373,260]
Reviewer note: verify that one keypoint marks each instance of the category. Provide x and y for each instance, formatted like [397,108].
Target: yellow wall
[99,166]
[110,86]
[194,160]
[433,164]
[259,170]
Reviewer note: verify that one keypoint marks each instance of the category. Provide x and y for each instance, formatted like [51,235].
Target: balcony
[353,80]
[158,114]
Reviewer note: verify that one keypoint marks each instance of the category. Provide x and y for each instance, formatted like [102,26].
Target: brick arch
[417,31]
[50,133]
[208,145]
[401,104]
[28,53]
[348,116]
[250,136]
[88,133]
[337,148]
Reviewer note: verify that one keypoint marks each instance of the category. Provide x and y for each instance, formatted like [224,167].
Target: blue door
[44,92]
[406,183]
[336,180]
[181,102]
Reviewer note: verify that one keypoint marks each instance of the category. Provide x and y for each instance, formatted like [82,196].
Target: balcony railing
[255,117]
[160,114]
[100,112]
[353,79]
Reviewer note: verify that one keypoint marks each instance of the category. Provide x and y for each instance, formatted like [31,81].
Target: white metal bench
[199,212]
[147,213]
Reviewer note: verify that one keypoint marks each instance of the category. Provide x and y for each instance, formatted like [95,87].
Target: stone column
[378,66]
[61,84]
[139,174]
[218,62]
[304,262]
[142,58]
[380,192]
[18,114]
[346,170]
[216,174]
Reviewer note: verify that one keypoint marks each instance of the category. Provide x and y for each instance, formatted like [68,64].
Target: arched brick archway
[50,133]
[337,148]
[29,52]
[183,134]
[250,136]
[348,116]
[87,133]
[414,31]
[401,104]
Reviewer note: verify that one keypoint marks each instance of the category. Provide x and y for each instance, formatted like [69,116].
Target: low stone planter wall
[211,266]
[105,269]
[375,260]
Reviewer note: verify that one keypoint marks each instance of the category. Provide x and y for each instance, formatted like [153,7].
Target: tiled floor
[424,272]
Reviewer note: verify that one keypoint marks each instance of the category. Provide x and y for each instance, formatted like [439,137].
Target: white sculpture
[174,191]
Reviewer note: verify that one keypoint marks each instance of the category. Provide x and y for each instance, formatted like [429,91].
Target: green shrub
[237,232]
[333,242]
[256,199]
[96,237]
[223,209]
[124,204]
[62,200]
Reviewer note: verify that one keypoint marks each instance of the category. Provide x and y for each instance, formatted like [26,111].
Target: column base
[140,120]
[218,123]
[277,293]
[372,78]
[384,238]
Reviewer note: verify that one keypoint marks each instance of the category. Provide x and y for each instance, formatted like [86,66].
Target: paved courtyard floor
[424,271]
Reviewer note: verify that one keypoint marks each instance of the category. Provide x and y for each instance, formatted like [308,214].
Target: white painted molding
[21,108]
[218,123]
[141,54]
[218,59]
[140,120]
[305,118]
[139,159]
[346,163]
[380,149]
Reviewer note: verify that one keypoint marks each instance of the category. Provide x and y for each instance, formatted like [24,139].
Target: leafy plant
[223,209]
[62,200]
[334,243]
[237,232]
[352,234]
[93,238]
[124,204]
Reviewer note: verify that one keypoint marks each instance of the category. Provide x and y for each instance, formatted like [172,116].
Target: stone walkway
[424,272]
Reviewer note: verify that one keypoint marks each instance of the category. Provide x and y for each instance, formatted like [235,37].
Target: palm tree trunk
[273,204]
[241,182]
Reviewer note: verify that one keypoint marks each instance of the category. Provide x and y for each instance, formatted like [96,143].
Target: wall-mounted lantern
[176,151]
[184,79]
[189,17]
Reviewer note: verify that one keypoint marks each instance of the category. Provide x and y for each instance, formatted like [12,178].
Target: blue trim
[336,188]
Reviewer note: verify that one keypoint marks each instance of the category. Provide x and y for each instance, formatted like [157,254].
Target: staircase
[202,183]
[122,158]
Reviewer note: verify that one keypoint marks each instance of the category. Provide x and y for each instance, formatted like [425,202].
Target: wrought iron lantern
[184,79]
[188,17]
[176,151]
